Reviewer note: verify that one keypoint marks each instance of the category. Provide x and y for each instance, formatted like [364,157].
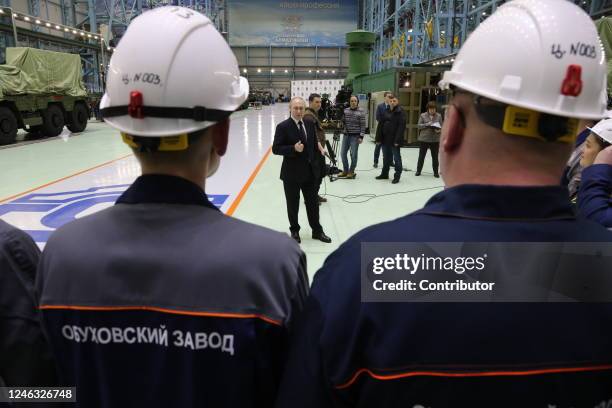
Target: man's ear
[220,133]
[454,129]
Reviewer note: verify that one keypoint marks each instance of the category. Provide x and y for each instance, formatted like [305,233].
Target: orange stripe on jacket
[559,370]
[162,310]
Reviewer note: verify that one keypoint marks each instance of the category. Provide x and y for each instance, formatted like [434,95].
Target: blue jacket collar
[158,188]
[488,202]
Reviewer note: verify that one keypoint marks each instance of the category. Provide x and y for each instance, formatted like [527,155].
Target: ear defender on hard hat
[161,144]
[516,121]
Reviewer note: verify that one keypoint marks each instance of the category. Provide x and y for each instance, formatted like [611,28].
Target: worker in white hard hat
[383,326]
[162,300]
[595,194]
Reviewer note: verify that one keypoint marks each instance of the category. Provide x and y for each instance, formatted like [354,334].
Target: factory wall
[50,10]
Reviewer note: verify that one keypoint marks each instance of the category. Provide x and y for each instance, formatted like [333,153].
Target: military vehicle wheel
[8,126]
[53,121]
[79,117]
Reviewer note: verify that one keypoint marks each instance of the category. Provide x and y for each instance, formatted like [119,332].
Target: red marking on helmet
[572,84]
[135,106]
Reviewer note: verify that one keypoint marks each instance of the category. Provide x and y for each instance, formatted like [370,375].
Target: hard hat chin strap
[197,113]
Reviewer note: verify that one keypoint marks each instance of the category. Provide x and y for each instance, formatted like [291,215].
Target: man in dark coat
[296,141]
[25,356]
[312,115]
[381,110]
[391,137]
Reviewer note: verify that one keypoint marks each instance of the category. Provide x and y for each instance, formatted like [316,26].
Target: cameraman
[354,130]
[312,115]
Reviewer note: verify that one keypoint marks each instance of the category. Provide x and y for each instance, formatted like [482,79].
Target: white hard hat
[543,55]
[172,73]
[603,129]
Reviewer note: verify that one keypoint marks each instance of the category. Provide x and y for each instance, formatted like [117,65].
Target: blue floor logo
[44,213]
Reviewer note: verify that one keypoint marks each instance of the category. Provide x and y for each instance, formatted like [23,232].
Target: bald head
[297,107]
[472,152]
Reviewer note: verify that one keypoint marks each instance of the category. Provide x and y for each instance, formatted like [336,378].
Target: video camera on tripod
[332,120]
[334,112]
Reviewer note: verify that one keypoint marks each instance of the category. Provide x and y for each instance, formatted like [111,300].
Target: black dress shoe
[395,181]
[296,236]
[382,177]
[321,237]
[418,173]
[436,175]
[322,199]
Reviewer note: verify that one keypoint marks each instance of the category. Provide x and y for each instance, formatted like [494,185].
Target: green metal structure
[360,50]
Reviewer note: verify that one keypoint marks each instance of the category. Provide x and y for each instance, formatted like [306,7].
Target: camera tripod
[332,154]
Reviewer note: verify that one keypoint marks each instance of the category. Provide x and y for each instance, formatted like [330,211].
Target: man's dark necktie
[303,137]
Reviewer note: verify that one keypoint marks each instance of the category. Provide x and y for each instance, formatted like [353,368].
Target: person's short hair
[387,93]
[431,105]
[296,98]
[392,96]
[313,96]
[600,141]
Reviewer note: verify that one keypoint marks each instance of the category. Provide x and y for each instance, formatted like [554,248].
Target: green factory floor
[248,182]
[351,204]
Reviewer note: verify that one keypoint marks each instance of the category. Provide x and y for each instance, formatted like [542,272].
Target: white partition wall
[319,86]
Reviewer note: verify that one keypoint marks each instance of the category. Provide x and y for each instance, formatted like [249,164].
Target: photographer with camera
[354,130]
[312,115]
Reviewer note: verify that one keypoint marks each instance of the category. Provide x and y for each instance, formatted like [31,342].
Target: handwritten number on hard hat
[578,49]
[557,51]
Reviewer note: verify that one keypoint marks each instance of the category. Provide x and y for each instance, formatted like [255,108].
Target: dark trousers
[292,195]
[392,154]
[377,152]
[434,155]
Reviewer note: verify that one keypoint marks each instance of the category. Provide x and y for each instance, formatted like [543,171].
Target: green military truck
[41,92]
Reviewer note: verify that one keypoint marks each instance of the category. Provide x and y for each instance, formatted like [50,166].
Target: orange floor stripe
[236,202]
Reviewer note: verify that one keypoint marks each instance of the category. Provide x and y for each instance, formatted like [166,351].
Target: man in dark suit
[381,111]
[296,141]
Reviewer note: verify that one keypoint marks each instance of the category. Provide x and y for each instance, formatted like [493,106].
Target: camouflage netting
[30,71]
